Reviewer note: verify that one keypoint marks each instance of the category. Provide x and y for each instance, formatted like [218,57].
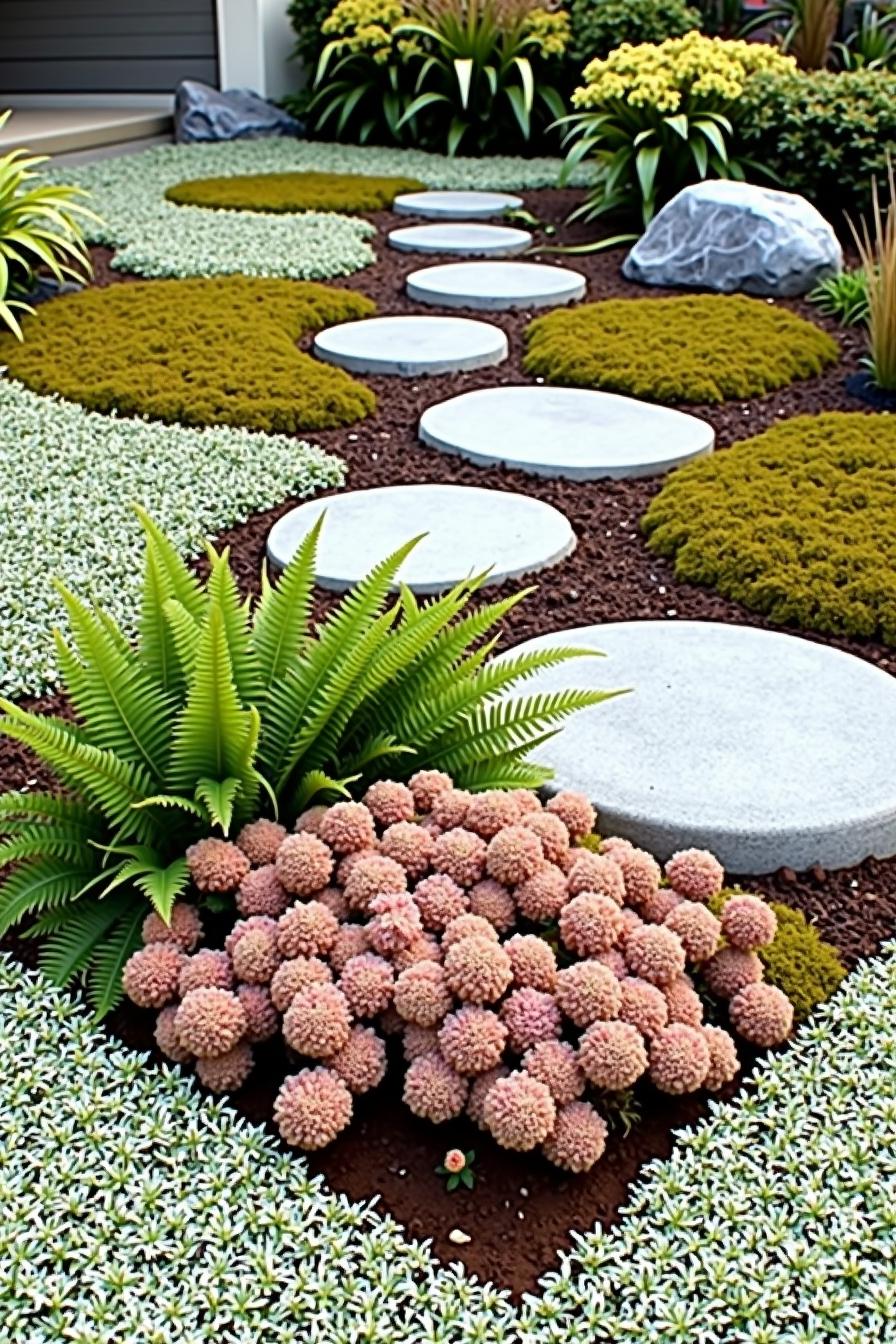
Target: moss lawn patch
[286,193]
[196,352]
[798,523]
[695,348]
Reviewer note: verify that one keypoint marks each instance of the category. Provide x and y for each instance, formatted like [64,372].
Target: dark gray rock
[202,113]
[729,236]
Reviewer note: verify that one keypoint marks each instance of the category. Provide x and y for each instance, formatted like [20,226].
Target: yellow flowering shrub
[552,31]
[669,77]
[367,27]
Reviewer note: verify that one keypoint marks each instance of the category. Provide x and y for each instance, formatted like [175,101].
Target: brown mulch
[522,1210]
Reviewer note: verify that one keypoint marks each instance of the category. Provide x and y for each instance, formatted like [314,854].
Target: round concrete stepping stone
[411,346]
[468,530]
[770,750]
[565,431]
[495,285]
[467,240]
[456,204]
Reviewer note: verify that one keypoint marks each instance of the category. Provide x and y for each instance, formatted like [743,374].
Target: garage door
[105,46]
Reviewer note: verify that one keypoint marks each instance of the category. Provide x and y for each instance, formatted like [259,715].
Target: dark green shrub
[823,135]
[799,961]
[307,17]
[600,25]
[288,193]
[798,523]
[697,348]
[200,352]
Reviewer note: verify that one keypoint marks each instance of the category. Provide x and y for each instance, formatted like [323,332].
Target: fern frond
[122,709]
[69,949]
[218,796]
[28,840]
[224,594]
[376,748]
[101,777]
[179,579]
[317,782]
[335,643]
[174,802]
[104,988]
[504,772]
[185,633]
[17,807]
[280,630]
[211,731]
[162,885]
[39,885]
[516,725]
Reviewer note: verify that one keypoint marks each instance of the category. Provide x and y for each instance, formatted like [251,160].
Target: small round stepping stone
[456,204]
[496,285]
[468,530]
[411,346]
[568,432]
[769,750]
[468,240]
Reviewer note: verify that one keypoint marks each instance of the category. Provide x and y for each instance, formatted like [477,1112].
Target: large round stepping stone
[765,748]
[495,285]
[565,431]
[467,240]
[468,530]
[456,204]
[411,346]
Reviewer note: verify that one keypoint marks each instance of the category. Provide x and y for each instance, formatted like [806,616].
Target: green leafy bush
[697,348]
[821,134]
[799,961]
[286,193]
[223,707]
[656,118]
[843,296]
[598,26]
[41,224]
[201,352]
[798,523]
[438,73]
[307,18]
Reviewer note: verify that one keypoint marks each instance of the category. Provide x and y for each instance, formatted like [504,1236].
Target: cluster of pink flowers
[520,969]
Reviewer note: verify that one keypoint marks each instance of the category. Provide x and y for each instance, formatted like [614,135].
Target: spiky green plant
[223,709]
[40,224]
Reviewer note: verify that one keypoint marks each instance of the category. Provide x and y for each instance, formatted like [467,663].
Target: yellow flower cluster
[551,30]
[366,26]
[666,77]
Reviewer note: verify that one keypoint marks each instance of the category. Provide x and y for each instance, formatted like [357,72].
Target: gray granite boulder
[202,113]
[727,236]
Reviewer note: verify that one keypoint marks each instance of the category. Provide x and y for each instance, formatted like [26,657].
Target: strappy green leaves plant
[40,225]
[223,709]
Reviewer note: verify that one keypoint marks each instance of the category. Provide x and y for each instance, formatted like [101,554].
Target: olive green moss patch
[696,348]
[798,523]
[197,352]
[799,961]
[287,193]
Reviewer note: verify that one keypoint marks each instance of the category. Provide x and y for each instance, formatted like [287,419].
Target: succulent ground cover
[798,522]
[764,1234]
[196,352]
[154,237]
[695,348]
[287,193]
[69,479]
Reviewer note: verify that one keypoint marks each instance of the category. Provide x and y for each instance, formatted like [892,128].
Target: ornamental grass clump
[530,1043]
[287,193]
[690,349]
[798,523]
[175,741]
[657,117]
[196,352]
[876,244]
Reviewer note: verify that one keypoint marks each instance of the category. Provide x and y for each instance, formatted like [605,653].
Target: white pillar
[255,40]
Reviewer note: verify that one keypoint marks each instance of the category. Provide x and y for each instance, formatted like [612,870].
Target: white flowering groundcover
[68,481]
[134,1209]
[157,238]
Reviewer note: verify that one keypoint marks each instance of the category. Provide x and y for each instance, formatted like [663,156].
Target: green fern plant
[223,709]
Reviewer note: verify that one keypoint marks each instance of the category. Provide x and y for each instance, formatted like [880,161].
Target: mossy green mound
[799,961]
[195,352]
[798,523]
[696,348]
[288,193]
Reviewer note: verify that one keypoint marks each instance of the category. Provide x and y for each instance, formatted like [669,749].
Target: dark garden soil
[522,1209]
